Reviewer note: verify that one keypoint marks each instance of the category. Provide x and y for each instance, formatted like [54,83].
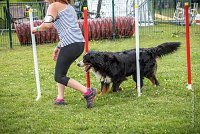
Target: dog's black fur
[119,65]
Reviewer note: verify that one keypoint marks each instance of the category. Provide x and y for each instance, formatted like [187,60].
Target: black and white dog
[114,67]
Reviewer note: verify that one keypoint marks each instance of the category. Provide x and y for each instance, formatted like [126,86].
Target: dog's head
[91,60]
[87,62]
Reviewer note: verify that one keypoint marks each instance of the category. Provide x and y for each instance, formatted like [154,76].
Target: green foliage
[167,108]
[2,23]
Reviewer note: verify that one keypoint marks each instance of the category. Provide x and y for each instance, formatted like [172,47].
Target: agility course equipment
[137,48]
[197,19]
[35,56]
[189,81]
[86,43]
[144,14]
[98,29]
[187,29]
[24,34]
[179,14]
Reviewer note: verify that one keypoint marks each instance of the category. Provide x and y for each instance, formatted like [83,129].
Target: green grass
[163,109]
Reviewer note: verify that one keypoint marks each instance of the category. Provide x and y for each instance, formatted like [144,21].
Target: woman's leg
[76,85]
[89,94]
[61,89]
[72,84]
[66,57]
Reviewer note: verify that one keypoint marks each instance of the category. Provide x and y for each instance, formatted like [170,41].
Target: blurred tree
[98,8]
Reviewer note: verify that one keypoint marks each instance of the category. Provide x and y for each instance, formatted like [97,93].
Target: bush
[2,23]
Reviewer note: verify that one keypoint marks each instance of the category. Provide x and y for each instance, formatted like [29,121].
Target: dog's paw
[97,91]
[101,94]
[117,90]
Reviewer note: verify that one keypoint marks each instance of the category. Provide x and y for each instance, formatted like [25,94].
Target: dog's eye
[92,57]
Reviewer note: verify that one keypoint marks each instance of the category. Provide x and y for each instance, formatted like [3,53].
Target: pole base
[139,91]
[38,97]
[189,86]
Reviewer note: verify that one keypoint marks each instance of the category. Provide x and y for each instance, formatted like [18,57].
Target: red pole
[188,45]
[86,33]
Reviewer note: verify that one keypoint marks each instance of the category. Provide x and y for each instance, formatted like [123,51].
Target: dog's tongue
[87,68]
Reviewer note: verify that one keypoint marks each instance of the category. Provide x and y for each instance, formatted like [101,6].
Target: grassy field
[169,108]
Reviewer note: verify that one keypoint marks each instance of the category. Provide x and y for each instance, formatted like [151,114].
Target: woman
[63,16]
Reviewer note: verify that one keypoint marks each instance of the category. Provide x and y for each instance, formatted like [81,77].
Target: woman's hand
[34,30]
[55,53]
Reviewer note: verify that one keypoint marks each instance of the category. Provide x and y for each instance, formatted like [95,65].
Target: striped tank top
[67,27]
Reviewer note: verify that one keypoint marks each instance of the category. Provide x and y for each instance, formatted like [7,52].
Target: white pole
[35,56]
[137,48]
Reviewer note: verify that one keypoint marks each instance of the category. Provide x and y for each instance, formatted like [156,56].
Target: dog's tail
[165,48]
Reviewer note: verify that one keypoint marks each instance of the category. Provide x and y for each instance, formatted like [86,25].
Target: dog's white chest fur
[97,74]
[101,78]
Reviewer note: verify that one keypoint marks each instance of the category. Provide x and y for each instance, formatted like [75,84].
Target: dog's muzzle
[87,66]
[80,64]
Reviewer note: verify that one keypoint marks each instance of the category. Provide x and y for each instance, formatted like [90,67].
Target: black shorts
[66,57]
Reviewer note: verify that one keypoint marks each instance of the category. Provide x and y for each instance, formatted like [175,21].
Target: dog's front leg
[102,85]
[115,86]
[104,88]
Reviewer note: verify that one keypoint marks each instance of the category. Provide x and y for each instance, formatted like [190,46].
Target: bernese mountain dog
[115,67]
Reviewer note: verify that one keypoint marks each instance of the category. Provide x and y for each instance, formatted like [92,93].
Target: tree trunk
[99,8]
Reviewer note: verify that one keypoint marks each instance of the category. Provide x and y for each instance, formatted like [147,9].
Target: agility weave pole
[137,48]
[187,29]
[35,55]
[86,34]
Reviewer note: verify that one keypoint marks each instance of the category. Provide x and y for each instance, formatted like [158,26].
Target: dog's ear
[91,54]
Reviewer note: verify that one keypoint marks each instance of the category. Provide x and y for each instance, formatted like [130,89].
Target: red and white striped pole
[187,29]
[86,33]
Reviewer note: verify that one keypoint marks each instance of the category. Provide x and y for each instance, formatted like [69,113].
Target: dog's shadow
[116,98]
